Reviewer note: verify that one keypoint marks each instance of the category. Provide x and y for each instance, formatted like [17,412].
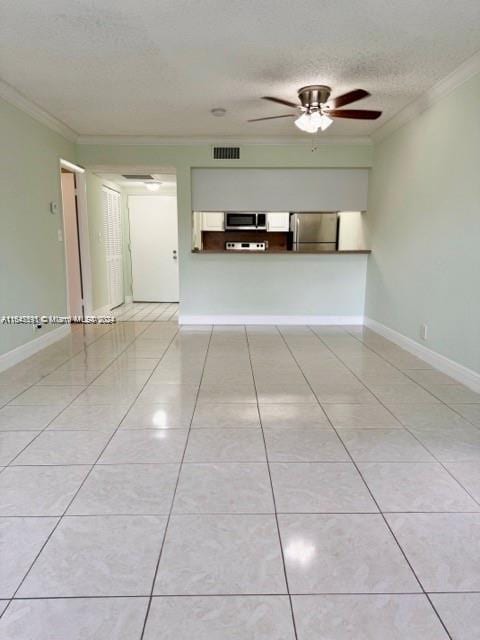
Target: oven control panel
[246,246]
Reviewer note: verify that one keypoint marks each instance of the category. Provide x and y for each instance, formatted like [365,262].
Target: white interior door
[72,245]
[113,245]
[154,248]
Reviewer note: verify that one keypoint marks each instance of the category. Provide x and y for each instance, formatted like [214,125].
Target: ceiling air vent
[226,153]
[135,176]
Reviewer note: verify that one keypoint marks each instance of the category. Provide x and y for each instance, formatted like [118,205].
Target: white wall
[424,226]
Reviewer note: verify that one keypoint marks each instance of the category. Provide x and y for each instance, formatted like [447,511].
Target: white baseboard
[271,320]
[128,299]
[457,371]
[28,349]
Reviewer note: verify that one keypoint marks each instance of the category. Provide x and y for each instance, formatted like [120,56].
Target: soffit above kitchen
[143,67]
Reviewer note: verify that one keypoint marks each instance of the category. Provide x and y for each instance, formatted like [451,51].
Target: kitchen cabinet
[213,221]
[278,221]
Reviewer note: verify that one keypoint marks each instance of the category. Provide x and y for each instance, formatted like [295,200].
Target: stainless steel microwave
[245,220]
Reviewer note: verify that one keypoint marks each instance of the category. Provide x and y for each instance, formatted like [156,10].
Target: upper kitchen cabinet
[213,221]
[278,221]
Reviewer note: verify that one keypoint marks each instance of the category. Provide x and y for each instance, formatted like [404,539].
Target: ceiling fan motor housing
[313,95]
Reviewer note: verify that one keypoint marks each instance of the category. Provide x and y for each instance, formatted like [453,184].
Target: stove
[246,246]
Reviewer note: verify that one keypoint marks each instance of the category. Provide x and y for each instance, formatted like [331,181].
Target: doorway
[71,238]
[154,247]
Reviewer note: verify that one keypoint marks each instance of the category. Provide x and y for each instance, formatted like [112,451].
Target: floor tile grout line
[280,543]
[409,428]
[419,384]
[380,512]
[171,316]
[136,311]
[91,466]
[387,524]
[299,594]
[167,309]
[39,433]
[100,372]
[175,595]
[386,521]
[230,513]
[164,537]
[445,468]
[210,462]
[33,384]
[74,332]
[87,475]
[125,310]
[71,336]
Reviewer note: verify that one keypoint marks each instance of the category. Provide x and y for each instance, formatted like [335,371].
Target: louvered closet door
[113,246]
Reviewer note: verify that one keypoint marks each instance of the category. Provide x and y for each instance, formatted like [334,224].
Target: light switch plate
[60,235]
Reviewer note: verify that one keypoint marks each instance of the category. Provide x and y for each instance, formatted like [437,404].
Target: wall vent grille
[226,153]
[137,176]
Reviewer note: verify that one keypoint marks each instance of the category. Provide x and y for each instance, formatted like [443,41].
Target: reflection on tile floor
[248,483]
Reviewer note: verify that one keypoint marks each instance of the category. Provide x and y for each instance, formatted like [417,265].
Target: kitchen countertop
[282,252]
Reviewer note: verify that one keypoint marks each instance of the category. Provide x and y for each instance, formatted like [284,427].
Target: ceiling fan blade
[348,98]
[281,101]
[288,115]
[355,114]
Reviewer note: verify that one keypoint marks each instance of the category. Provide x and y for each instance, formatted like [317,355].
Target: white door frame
[86,268]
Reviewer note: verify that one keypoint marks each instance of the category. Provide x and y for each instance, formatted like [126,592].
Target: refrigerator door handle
[297,229]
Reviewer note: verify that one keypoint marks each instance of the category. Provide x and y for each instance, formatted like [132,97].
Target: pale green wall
[32,264]
[246,285]
[424,221]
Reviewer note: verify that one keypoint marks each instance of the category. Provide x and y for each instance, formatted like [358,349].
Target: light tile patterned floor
[259,483]
[146,312]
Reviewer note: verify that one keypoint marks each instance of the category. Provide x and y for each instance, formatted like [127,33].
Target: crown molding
[225,140]
[452,81]
[14,97]
[469,68]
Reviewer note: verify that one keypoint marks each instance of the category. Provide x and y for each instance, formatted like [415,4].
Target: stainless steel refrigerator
[316,231]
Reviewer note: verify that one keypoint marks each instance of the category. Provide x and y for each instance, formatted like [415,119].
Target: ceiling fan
[316,110]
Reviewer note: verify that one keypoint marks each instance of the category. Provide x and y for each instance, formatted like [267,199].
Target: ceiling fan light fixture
[153,186]
[316,110]
[312,121]
[316,119]
[305,123]
[325,121]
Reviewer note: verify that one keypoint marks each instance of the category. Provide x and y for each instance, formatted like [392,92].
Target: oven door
[240,220]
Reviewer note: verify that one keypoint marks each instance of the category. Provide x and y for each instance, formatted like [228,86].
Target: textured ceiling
[157,67]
